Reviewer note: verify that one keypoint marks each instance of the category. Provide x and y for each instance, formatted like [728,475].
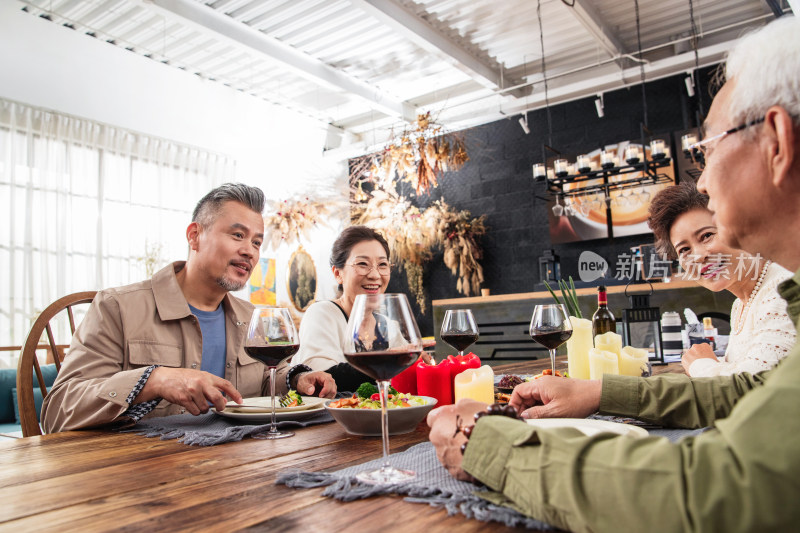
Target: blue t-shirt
[212,328]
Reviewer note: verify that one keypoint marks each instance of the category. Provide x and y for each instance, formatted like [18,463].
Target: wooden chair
[29,363]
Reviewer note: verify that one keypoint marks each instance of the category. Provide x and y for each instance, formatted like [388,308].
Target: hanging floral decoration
[415,235]
[458,234]
[421,154]
[293,219]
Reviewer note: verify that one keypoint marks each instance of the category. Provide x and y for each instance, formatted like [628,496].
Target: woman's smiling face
[364,255]
[702,253]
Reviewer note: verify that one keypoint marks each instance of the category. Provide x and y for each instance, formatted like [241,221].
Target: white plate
[263,404]
[589,426]
[265,418]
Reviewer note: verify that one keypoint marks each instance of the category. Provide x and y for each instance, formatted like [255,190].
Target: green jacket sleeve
[741,475]
[675,400]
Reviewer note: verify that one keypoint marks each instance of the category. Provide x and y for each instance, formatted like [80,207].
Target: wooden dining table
[101,480]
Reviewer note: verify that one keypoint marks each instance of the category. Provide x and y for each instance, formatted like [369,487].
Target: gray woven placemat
[433,484]
[210,429]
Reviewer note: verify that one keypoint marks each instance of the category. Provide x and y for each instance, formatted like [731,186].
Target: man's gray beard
[229,285]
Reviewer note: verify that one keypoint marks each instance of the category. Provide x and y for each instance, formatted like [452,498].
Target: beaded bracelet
[294,371]
[496,409]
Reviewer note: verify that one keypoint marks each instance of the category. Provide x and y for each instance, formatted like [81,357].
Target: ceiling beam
[582,86]
[594,23]
[208,19]
[481,67]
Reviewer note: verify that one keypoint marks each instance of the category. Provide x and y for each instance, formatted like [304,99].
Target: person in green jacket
[743,474]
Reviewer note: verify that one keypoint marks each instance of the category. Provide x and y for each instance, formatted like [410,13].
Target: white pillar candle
[609,341]
[633,361]
[583,163]
[578,346]
[475,383]
[656,147]
[602,362]
[631,154]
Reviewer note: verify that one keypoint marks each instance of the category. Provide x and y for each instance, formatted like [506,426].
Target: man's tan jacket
[128,329]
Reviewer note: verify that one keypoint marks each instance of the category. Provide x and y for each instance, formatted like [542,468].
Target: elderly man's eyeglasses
[699,151]
[363,268]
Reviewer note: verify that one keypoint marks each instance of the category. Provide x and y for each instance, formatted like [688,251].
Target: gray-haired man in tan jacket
[174,343]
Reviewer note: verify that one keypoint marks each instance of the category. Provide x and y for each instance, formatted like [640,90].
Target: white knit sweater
[765,333]
[322,334]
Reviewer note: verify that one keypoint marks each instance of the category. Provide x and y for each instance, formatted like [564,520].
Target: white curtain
[84,205]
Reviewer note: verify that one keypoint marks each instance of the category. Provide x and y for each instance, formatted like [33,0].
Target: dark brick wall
[497,181]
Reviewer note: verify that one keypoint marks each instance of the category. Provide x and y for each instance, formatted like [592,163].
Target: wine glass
[558,210]
[550,327]
[382,340]
[459,329]
[271,338]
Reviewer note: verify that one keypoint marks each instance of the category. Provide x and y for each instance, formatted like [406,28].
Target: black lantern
[641,325]
[549,266]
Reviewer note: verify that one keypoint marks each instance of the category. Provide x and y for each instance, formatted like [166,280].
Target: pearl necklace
[740,322]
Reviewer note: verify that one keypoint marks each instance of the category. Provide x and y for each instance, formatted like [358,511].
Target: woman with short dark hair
[761,331]
[360,264]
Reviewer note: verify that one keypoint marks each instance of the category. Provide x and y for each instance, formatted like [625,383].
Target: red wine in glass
[273,354]
[552,340]
[271,338]
[459,329]
[382,365]
[382,340]
[460,341]
[550,327]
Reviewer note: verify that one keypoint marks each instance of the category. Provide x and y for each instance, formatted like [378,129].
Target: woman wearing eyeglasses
[360,264]
[761,331]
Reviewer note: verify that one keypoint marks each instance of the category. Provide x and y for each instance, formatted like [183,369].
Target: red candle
[406,381]
[435,381]
[459,363]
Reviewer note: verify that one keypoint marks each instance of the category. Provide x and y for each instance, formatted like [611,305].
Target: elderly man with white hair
[743,473]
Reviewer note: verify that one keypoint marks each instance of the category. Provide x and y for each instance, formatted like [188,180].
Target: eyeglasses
[699,151]
[363,268]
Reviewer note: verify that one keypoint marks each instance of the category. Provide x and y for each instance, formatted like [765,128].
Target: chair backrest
[29,364]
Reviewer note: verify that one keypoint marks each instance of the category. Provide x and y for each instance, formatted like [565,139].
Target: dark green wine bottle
[603,319]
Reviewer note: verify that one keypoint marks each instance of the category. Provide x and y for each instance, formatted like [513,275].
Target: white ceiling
[365,66]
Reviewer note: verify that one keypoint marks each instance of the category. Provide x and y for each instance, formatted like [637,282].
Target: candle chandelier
[592,175]
[587,183]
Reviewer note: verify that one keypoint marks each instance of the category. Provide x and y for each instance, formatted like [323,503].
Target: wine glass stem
[383,389]
[273,428]
[553,361]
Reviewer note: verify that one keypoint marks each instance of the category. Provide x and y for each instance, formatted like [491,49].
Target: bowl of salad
[360,414]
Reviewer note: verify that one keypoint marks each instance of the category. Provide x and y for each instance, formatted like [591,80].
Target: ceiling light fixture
[523,121]
[689,81]
[599,104]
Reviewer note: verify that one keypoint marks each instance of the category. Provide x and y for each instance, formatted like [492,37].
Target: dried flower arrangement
[292,219]
[457,233]
[151,259]
[413,236]
[421,154]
